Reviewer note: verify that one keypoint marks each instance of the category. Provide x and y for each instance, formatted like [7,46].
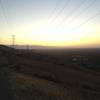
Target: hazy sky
[50,22]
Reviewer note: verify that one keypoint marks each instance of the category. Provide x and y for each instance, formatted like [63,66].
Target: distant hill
[5,48]
[29,47]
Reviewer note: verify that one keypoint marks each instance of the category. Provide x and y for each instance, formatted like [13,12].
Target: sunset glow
[34,27]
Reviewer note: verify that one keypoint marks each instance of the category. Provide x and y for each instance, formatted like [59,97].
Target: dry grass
[38,77]
[33,88]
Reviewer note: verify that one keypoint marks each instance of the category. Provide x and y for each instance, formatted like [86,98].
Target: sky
[64,23]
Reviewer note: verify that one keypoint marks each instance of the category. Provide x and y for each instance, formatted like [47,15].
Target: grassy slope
[36,80]
[33,88]
[42,79]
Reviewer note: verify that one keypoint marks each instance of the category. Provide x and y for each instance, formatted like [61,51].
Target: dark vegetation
[62,74]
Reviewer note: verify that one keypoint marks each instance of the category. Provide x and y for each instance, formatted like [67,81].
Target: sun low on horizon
[61,23]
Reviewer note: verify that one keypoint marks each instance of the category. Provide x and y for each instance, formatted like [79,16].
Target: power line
[73,11]
[61,10]
[55,8]
[4,13]
[83,11]
[86,21]
[7,22]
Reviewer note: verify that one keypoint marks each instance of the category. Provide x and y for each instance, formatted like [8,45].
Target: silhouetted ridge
[7,55]
[7,49]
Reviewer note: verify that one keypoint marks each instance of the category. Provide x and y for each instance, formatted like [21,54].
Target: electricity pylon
[13,41]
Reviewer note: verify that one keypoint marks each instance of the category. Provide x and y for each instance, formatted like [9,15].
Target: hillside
[45,76]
